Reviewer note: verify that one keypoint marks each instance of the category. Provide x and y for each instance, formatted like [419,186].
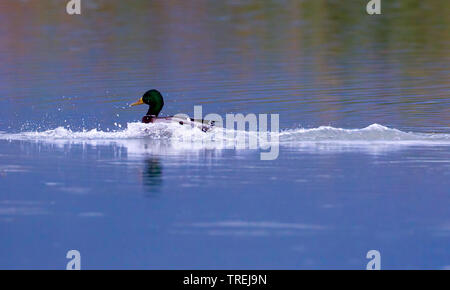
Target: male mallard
[155,100]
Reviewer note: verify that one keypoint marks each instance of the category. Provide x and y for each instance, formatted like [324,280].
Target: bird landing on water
[155,101]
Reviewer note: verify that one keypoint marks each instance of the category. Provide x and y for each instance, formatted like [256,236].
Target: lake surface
[364,141]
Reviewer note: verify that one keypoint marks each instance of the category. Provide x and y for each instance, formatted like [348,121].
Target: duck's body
[154,99]
[153,119]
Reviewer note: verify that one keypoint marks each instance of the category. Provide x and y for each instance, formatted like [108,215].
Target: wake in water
[166,139]
[176,132]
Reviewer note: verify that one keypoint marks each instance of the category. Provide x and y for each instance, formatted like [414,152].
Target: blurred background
[320,62]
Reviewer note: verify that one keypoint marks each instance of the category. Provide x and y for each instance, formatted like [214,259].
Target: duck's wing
[204,125]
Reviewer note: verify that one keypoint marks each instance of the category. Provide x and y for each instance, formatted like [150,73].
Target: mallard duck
[155,101]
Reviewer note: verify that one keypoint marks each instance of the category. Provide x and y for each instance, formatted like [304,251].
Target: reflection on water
[201,209]
[152,174]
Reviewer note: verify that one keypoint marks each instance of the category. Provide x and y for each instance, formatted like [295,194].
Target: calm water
[78,172]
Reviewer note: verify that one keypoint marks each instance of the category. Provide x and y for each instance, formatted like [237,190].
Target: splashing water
[175,132]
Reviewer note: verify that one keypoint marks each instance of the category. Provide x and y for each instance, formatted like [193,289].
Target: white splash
[372,133]
[163,131]
[138,137]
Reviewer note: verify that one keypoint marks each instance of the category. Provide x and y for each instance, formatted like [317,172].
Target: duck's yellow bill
[140,102]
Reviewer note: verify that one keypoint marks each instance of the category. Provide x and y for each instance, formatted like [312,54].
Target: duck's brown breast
[147,119]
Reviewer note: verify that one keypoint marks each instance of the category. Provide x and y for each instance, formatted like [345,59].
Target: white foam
[182,136]
[373,133]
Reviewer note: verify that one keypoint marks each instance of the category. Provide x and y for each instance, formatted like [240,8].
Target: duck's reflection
[152,174]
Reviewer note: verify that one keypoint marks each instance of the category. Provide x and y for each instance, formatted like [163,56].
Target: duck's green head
[154,99]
